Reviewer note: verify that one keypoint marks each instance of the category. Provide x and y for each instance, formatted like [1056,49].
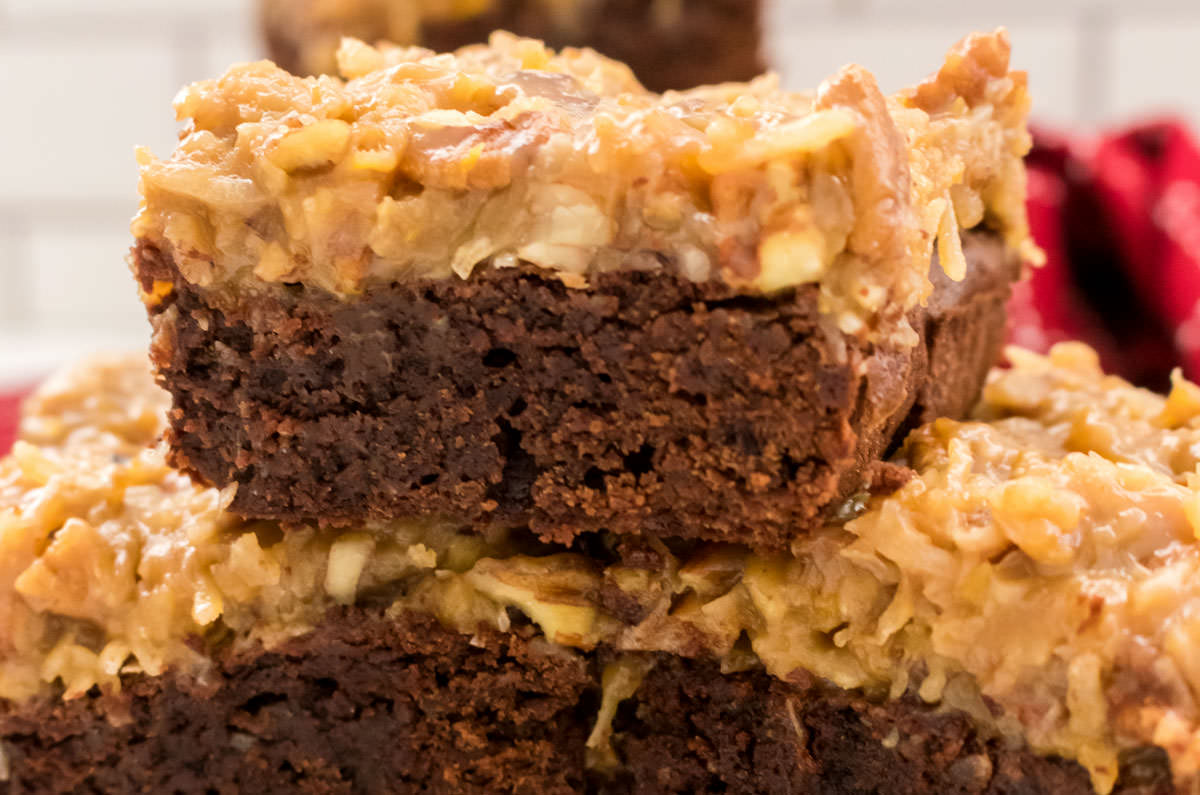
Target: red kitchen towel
[1119,219]
[10,405]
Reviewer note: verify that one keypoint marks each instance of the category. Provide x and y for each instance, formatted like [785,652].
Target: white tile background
[83,81]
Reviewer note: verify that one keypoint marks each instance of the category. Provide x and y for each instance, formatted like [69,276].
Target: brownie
[511,286]
[644,405]
[668,45]
[371,705]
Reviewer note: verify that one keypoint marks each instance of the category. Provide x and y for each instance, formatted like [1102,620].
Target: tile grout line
[88,215]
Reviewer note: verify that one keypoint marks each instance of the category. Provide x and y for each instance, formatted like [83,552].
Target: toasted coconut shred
[419,165]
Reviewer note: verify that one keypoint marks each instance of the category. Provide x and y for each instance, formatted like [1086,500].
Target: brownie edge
[644,404]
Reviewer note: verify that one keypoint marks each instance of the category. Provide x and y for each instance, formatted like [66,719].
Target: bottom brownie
[692,729]
[374,705]
[364,704]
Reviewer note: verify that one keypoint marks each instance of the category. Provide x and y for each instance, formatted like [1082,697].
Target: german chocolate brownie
[510,308]
[153,641]
[669,44]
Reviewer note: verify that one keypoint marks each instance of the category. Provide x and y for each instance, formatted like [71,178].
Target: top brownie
[669,44]
[513,285]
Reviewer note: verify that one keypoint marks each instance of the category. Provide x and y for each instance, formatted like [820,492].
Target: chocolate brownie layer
[644,404]
[697,42]
[691,729]
[964,332]
[374,706]
[364,704]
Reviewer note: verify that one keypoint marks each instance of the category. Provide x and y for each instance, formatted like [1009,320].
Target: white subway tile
[12,293]
[76,110]
[1154,69]
[237,43]
[125,10]
[29,355]
[1013,11]
[80,282]
[902,54]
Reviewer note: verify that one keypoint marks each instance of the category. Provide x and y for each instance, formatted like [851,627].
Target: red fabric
[9,407]
[1119,220]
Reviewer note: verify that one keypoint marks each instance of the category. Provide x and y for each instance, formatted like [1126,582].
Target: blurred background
[83,81]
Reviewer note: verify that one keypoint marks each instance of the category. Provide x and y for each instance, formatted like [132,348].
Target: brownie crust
[711,41]
[645,404]
[366,704]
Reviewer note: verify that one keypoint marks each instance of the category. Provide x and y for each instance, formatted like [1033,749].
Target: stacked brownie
[669,44]
[514,287]
[525,431]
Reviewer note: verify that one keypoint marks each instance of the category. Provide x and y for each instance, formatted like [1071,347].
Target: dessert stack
[526,431]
